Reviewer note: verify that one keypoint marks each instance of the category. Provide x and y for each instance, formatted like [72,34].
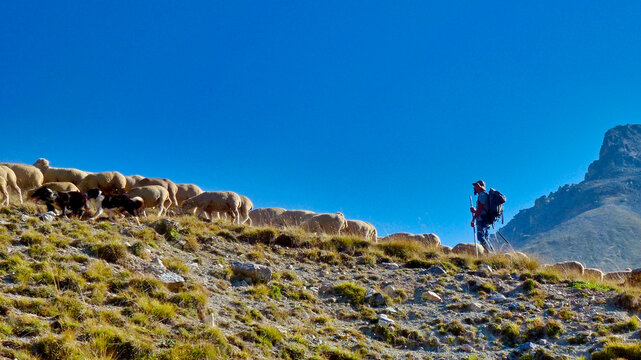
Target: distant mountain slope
[597,221]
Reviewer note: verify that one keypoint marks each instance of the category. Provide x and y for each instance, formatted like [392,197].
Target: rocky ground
[188,289]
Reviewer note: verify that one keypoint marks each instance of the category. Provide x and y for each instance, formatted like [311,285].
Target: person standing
[480,214]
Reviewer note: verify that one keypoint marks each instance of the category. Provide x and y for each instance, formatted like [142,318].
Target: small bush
[554,328]
[111,251]
[618,351]
[511,333]
[353,292]
[529,285]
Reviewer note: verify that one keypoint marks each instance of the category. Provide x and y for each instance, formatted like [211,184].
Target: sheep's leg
[5,193]
[144,213]
[161,209]
[235,216]
[18,191]
[98,212]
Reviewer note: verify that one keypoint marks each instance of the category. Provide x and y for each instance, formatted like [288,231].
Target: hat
[480,183]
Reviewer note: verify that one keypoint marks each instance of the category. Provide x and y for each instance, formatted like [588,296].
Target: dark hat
[480,183]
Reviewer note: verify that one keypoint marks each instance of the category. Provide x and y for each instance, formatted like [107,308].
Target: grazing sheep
[52,174]
[28,177]
[468,249]
[186,191]
[361,228]
[61,186]
[293,218]
[168,184]
[109,182]
[246,206]
[4,191]
[11,181]
[152,196]
[326,223]
[427,239]
[265,216]
[132,180]
[210,202]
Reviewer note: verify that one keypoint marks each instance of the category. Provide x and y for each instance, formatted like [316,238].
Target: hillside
[597,221]
[171,289]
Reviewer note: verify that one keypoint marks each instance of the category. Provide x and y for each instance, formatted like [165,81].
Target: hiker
[480,214]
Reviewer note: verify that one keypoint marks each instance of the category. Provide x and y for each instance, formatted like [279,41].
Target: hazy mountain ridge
[597,221]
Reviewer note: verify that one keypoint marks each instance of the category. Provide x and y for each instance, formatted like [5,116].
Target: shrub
[618,351]
[511,333]
[353,292]
[111,251]
[554,328]
[529,285]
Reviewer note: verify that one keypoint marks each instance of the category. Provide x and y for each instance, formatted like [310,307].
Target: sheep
[61,186]
[246,206]
[11,181]
[326,223]
[293,218]
[52,174]
[265,216]
[361,228]
[110,182]
[4,191]
[168,184]
[132,180]
[152,196]
[27,177]
[210,202]
[186,191]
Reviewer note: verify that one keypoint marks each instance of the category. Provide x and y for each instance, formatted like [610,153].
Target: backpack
[495,206]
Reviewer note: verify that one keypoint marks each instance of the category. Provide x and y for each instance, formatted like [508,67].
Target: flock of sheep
[167,196]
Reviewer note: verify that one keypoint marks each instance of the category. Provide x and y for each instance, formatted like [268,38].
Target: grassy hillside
[73,289]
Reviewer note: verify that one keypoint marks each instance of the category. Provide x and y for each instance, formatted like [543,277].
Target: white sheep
[28,177]
[53,174]
[11,181]
[265,216]
[168,184]
[326,223]
[361,228]
[132,180]
[186,191]
[293,218]
[215,202]
[246,206]
[152,196]
[109,182]
[61,186]
[4,191]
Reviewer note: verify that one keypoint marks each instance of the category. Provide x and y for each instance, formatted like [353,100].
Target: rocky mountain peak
[620,153]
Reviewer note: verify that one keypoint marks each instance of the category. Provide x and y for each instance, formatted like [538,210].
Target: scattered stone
[48,216]
[497,298]
[528,347]
[377,300]
[209,320]
[385,321]
[173,281]
[24,217]
[390,291]
[391,266]
[258,273]
[468,249]
[543,342]
[241,283]
[431,296]
[467,348]
[476,306]
[436,271]
[486,268]
[390,310]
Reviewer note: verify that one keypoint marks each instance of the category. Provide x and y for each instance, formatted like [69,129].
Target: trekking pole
[474,230]
[503,237]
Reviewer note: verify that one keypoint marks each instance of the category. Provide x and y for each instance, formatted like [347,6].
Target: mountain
[597,221]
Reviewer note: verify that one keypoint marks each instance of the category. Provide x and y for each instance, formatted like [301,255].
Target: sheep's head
[42,163]
[188,205]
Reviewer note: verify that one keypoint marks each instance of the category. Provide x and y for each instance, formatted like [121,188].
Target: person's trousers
[483,233]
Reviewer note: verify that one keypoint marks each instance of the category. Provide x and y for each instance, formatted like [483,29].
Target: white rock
[431,296]
[385,321]
[210,320]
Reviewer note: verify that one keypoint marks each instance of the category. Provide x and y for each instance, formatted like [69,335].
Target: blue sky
[387,111]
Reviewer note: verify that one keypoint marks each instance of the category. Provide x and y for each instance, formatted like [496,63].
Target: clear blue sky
[387,111]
